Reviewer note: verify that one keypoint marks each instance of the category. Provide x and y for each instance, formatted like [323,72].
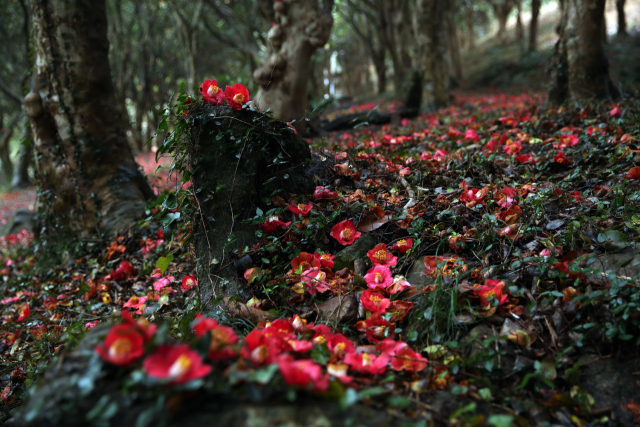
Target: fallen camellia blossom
[223,338]
[345,233]
[379,277]
[374,302]
[273,224]
[188,282]
[402,245]
[490,291]
[634,173]
[211,93]
[301,209]
[123,344]
[237,96]
[380,256]
[303,373]
[179,364]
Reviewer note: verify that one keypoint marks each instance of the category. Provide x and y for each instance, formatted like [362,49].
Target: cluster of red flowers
[284,342]
[236,96]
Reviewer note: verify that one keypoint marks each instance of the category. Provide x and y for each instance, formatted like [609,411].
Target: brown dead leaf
[372,222]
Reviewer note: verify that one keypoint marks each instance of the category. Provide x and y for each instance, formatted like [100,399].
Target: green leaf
[163,263]
[501,420]
[264,375]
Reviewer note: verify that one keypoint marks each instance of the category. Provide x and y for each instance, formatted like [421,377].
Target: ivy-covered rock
[239,161]
[358,250]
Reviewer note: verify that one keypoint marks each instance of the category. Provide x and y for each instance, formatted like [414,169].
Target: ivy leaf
[163,262]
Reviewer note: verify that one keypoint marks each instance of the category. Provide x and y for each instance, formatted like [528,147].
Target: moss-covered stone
[358,250]
[239,161]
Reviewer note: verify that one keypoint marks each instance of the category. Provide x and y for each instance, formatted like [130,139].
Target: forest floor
[492,269]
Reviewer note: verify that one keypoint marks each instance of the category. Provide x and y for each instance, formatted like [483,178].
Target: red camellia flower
[314,280]
[124,270]
[527,159]
[374,302]
[567,141]
[123,344]
[345,232]
[273,224]
[301,209]
[303,373]
[615,113]
[376,328]
[323,193]
[405,359]
[379,256]
[564,267]
[561,158]
[513,147]
[23,312]
[189,282]
[368,364]
[379,277]
[179,364]
[223,338]
[237,96]
[211,93]
[491,290]
[305,261]
[141,325]
[402,245]
[339,345]
[325,259]
[634,173]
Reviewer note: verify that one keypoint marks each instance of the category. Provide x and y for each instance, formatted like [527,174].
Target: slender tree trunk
[470,28]
[21,178]
[533,26]
[603,29]
[431,35]
[301,28]
[5,151]
[453,41]
[381,72]
[622,19]
[88,178]
[519,26]
[580,69]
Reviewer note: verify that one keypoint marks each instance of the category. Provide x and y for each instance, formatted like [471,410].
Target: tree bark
[519,26]
[88,178]
[21,178]
[622,19]
[453,41]
[6,132]
[470,27]
[533,25]
[302,27]
[580,69]
[501,9]
[431,35]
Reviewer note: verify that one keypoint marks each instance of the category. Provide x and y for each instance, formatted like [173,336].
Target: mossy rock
[358,250]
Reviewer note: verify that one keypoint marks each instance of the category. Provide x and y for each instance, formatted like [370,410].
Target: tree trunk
[21,178]
[453,41]
[533,26]
[381,72]
[431,35]
[622,20]
[470,28]
[301,28]
[88,178]
[6,132]
[581,69]
[519,26]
